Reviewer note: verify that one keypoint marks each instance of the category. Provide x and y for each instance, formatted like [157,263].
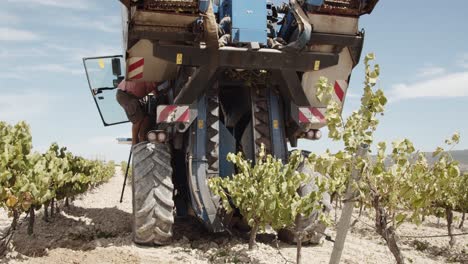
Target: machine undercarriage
[253,85]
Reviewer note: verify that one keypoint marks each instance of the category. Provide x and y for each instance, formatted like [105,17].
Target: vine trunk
[253,236]
[385,231]
[32,219]
[462,220]
[449,215]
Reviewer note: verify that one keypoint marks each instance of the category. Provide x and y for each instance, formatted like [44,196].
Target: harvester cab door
[104,74]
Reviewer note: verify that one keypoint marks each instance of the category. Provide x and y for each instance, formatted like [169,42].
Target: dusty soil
[96,229]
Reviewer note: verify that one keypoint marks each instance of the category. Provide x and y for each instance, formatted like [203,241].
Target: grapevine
[266,192]
[31,180]
[401,187]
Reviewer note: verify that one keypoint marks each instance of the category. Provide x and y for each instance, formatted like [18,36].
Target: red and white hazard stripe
[341,87]
[135,68]
[173,114]
[312,115]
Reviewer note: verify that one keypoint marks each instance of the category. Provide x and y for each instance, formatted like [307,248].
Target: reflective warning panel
[173,114]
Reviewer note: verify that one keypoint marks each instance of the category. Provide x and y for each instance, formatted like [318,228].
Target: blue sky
[422,47]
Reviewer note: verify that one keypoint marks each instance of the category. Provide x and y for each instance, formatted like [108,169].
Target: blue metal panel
[248,35]
[203,5]
[227,144]
[202,202]
[278,138]
[249,19]
[198,144]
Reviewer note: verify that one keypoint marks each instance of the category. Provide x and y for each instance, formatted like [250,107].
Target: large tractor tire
[312,226]
[153,189]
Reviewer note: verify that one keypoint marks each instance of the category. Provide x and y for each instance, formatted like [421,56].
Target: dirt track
[96,229]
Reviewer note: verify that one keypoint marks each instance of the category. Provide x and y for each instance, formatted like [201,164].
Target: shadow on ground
[85,229]
[455,254]
[75,228]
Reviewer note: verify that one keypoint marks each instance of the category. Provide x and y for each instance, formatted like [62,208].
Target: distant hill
[459,155]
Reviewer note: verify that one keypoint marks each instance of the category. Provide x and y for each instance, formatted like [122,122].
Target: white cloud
[77,54]
[68,54]
[108,24]
[11,75]
[72,4]
[21,71]
[14,53]
[64,59]
[449,85]
[8,19]
[57,68]
[12,105]
[430,71]
[11,34]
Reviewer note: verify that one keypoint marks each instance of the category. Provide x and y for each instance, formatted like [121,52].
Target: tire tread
[152,194]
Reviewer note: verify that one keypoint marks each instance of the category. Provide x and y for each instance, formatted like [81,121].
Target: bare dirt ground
[96,229]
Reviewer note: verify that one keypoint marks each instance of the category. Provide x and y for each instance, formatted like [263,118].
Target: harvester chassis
[283,92]
[232,98]
[210,62]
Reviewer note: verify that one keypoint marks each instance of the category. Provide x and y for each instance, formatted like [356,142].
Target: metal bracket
[211,62]
[337,39]
[202,79]
[354,43]
[243,58]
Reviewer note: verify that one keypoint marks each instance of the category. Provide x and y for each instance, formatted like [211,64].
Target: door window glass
[102,83]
